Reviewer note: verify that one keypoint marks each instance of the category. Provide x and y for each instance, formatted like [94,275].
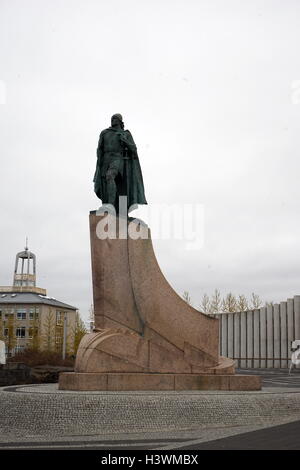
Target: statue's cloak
[132,175]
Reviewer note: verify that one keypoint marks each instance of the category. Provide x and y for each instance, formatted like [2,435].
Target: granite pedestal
[146,336]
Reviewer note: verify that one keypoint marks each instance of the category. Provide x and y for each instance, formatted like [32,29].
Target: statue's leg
[111,185]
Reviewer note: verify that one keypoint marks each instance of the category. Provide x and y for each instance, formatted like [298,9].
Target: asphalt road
[283,437]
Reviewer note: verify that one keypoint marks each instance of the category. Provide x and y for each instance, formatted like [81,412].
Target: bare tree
[34,333]
[10,338]
[78,331]
[205,306]
[215,302]
[229,303]
[255,301]
[242,303]
[49,331]
[186,297]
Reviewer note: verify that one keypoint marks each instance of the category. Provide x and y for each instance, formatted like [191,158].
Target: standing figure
[118,171]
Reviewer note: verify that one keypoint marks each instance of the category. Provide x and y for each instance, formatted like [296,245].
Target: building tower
[26,275]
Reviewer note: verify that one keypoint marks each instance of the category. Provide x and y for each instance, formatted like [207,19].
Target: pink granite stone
[146,336]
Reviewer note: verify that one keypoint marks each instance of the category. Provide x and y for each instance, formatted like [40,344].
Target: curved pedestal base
[122,350]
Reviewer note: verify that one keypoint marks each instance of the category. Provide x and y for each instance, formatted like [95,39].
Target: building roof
[12,298]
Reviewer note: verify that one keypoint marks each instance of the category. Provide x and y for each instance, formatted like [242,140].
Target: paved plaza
[41,416]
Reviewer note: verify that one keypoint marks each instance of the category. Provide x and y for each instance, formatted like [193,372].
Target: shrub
[33,357]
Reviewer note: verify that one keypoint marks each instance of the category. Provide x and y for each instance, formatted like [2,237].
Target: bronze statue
[118,171]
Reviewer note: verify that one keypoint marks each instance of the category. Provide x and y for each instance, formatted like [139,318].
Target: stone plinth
[128,381]
[145,334]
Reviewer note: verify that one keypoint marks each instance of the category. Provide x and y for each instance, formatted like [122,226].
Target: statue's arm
[127,138]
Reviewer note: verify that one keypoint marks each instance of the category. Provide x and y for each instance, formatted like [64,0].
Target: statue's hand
[123,138]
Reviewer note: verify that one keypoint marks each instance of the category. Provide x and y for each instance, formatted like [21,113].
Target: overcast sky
[211,93]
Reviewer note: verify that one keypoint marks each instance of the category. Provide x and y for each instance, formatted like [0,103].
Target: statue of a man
[118,171]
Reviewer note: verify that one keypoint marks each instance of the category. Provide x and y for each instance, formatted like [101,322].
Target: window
[5,331]
[19,348]
[21,332]
[33,313]
[21,314]
[37,312]
[59,318]
[58,339]
[32,332]
[7,315]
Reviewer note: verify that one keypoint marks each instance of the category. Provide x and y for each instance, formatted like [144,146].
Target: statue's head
[116,120]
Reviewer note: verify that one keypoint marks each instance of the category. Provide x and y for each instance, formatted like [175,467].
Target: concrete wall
[261,338]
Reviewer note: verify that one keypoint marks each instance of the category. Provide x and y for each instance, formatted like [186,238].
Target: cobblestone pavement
[40,416]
